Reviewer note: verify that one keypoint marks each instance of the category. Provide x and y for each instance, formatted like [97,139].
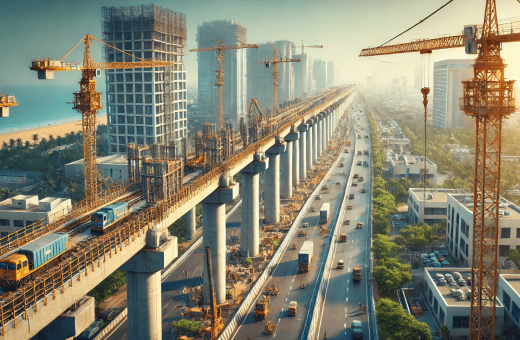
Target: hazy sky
[36,28]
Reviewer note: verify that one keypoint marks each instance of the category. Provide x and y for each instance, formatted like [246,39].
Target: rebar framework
[161,178]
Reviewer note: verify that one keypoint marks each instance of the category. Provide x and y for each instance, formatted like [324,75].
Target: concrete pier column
[325,131]
[303,153]
[314,140]
[330,126]
[320,135]
[191,219]
[308,145]
[143,285]
[272,182]
[293,138]
[286,171]
[214,233]
[250,228]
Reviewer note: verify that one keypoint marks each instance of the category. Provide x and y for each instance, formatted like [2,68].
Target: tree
[513,255]
[380,222]
[249,262]
[108,286]
[391,274]
[184,326]
[396,324]
[50,183]
[35,138]
[383,248]
[6,193]
[71,189]
[104,182]
[11,142]
[416,234]
[179,228]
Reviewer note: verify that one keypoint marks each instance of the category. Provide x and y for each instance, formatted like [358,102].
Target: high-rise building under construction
[260,77]
[307,75]
[145,106]
[234,61]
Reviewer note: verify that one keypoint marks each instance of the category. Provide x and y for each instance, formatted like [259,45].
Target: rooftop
[507,209]
[432,195]
[445,291]
[117,159]
[410,160]
[29,203]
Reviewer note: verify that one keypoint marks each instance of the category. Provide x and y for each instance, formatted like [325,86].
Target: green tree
[416,234]
[179,228]
[184,326]
[512,254]
[6,193]
[108,286]
[380,222]
[104,182]
[383,248]
[35,138]
[249,262]
[396,324]
[391,274]
[71,189]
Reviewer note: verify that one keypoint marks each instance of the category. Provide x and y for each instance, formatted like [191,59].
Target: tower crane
[275,61]
[5,103]
[88,101]
[303,64]
[488,98]
[220,71]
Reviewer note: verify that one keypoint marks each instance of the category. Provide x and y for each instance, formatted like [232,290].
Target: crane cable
[420,22]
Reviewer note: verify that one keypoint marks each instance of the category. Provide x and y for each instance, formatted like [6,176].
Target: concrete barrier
[232,325]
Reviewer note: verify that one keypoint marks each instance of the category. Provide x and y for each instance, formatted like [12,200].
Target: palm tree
[59,140]
[5,145]
[104,182]
[71,189]
[27,144]
[51,140]
[19,142]
[50,183]
[11,142]
[6,193]
[35,138]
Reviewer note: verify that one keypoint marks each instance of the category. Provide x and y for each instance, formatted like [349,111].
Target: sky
[33,29]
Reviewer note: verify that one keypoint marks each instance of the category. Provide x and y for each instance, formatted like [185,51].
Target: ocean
[40,106]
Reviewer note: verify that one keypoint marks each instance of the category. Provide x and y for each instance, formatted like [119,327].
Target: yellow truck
[343,238]
[293,307]
[262,308]
[356,274]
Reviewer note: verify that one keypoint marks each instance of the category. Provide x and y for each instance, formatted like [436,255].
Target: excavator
[195,162]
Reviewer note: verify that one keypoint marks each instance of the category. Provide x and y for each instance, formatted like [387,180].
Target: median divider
[233,324]
[315,311]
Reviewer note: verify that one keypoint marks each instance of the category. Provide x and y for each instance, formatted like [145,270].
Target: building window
[430,295]
[460,322]
[506,300]
[140,130]
[149,132]
[502,249]
[148,109]
[18,223]
[441,316]
[139,109]
[505,232]
[5,223]
[517,232]
[138,78]
[435,306]
[120,119]
[516,312]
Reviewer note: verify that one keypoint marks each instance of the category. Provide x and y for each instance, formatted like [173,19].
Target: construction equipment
[88,101]
[302,285]
[262,307]
[275,61]
[302,233]
[305,256]
[343,237]
[356,274]
[216,321]
[293,308]
[324,213]
[269,328]
[302,94]
[272,291]
[5,103]
[220,71]
[294,246]
[488,98]
[359,225]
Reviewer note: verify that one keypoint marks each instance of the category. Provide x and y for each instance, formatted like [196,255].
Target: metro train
[33,259]
[105,217]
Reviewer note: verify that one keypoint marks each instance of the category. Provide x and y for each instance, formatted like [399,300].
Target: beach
[55,130]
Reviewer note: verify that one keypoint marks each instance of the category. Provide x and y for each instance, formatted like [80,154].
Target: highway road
[343,294]
[285,276]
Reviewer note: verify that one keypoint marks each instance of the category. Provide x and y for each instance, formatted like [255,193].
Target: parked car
[456,275]
[437,264]
[445,263]
[468,279]
[424,256]
[91,330]
[461,282]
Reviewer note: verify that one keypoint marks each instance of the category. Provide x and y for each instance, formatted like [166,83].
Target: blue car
[445,263]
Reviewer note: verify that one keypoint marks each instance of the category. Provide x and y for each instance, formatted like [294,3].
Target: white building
[145,106]
[412,167]
[447,78]
[430,209]
[459,232]
[20,211]
[115,167]
[449,310]
[509,294]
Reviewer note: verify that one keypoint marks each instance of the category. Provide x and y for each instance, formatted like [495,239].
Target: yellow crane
[220,71]
[5,103]
[275,61]
[88,101]
[303,64]
[488,98]
[216,320]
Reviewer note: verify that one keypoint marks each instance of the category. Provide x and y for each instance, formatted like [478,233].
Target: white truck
[324,212]
[305,256]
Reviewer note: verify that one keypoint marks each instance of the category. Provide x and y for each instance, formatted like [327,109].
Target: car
[448,276]
[424,256]
[440,258]
[427,263]
[468,280]
[452,283]
[91,330]
[441,282]
[356,329]
[437,264]
[461,282]
[359,163]
[445,263]
[456,275]
[439,276]
[354,184]
[436,253]
[431,255]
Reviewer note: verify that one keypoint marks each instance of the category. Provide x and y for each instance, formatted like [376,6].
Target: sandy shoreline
[55,130]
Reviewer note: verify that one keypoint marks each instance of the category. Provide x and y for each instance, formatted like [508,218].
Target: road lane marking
[293,280]
[286,299]
[345,325]
[349,269]
[347,299]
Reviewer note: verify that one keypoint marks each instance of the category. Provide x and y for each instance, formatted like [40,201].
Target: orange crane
[216,320]
[88,101]
[220,71]
[275,61]
[5,103]
[488,98]
[303,64]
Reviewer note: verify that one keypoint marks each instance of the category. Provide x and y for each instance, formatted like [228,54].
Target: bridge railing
[51,222]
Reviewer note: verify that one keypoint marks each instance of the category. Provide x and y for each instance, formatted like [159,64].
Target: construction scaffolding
[161,178]
[134,155]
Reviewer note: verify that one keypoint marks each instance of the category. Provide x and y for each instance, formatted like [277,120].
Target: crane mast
[488,98]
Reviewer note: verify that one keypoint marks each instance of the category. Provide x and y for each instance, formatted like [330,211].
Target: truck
[363,190]
[293,307]
[343,237]
[356,274]
[341,264]
[324,212]
[305,256]
[365,152]
[262,308]
[351,196]
[356,176]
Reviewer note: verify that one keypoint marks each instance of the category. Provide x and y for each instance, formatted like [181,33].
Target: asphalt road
[285,276]
[343,294]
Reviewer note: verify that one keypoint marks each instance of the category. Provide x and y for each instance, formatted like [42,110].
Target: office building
[447,87]
[430,209]
[306,61]
[145,106]
[260,76]
[21,211]
[319,73]
[330,73]
[233,64]
[412,168]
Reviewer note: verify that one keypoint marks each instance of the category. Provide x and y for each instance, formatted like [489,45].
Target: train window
[3,265]
[11,266]
[25,263]
[19,266]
